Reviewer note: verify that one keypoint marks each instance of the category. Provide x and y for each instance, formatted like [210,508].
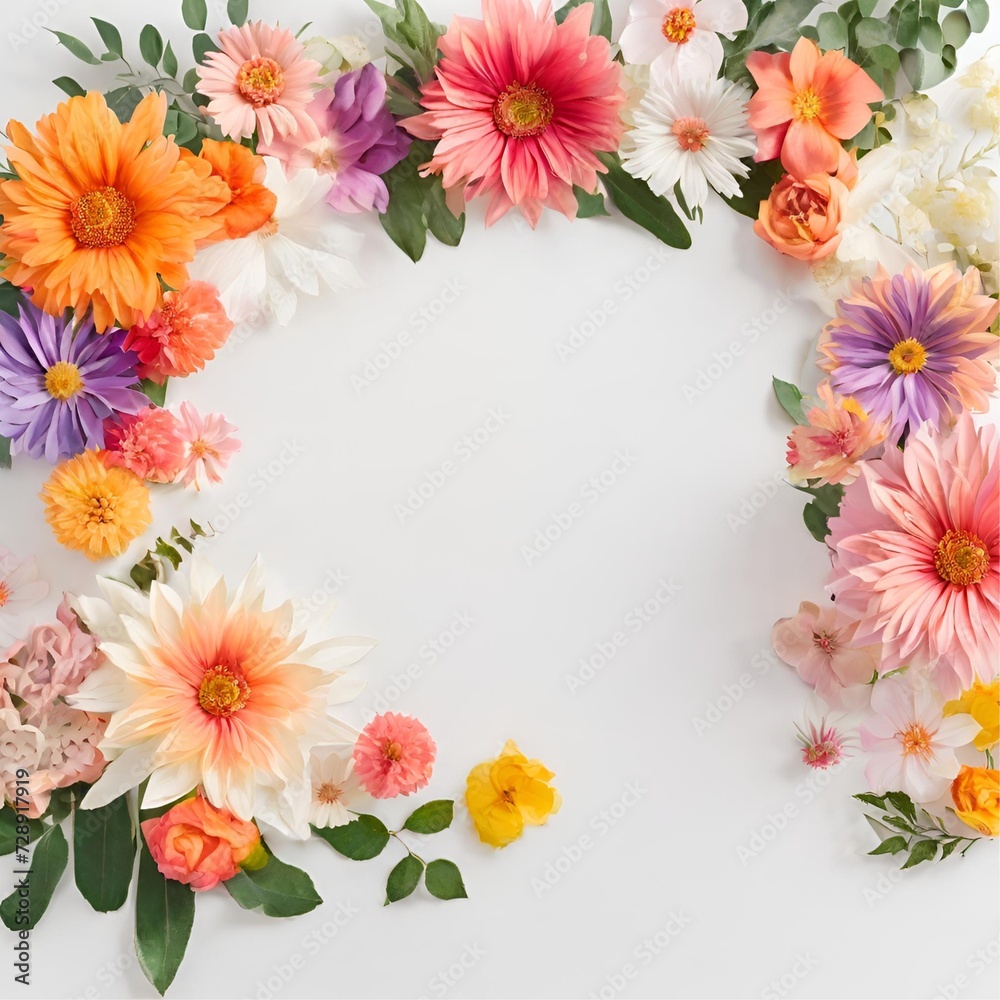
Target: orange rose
[976,794]
[197,844]
[801,218]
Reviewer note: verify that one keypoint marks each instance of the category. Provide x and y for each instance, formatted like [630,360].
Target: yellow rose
[982,702]
[504,794]
[976,794]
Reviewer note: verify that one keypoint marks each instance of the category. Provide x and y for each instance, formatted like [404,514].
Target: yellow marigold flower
[982,702]
[976,794]
[93,508]
[504,794]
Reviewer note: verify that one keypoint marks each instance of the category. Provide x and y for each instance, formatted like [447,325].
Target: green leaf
[922,850]
[930,35]
[110,35]
[790,399]
[871,799]
[948,846]
[903,804]
[201,45]
[49,855]
[104,853]
[276,890]
[361,839]
[956,28]
[412,33]
[867,7]
[403,879]
[8,829]
[908,27]
[827,497]
[76,47]
[431,817]
[444,880]
[871,31]
[816,522]
[123,101]
[636,202]
[10,297]
[588,206]
[979,14]
[157,393]
[756,187]
[170,65]
[4,452]
[832,31]
[69,86]
[237,11]
[891,845]
[195,14]
[600,20]
[164,915]
[151,45]
[899,824]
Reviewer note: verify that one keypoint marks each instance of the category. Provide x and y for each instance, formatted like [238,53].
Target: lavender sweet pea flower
[58,385]
[359,141]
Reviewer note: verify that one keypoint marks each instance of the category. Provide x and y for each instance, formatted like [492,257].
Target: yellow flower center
[691,133]
[103,217]
[200,448]
[260,81]
[63,380]
[327,793]
[269,229]
[100,509]
[908,356]
[961,558]
[521,112]
[916,741]
[4,593]
[678,25]
[806,104]
[393,751]
[223,691]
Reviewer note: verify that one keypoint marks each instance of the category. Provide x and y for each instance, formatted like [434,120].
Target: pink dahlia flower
[148,444]
[521,106]
[394,755]
[916,554]
[260,80]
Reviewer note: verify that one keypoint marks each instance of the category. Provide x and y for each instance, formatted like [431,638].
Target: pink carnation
[394,755]
[148,444]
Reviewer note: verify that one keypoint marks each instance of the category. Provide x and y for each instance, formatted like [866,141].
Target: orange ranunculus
[976,794]
[201,846]
[802,218]
[101,210]
[252,204]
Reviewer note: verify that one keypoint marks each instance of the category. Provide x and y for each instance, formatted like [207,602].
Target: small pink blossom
[148,444]
[209,444]
[820,645]
[831,445]
[394,755]
[824,744]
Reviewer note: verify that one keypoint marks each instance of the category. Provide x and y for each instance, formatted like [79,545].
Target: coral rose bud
[802,218]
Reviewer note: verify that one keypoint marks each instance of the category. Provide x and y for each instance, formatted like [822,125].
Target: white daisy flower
[20,588]
[334,787]
[692,131]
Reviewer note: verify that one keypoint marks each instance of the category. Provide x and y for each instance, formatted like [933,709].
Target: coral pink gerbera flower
[521,105]
[149,444]
[916,554]
[261,80]
[394,755]
[807,102]
[209,444]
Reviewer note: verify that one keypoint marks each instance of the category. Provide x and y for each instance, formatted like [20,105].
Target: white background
[655,811]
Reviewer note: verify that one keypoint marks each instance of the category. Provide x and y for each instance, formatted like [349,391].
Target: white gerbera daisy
[303,247]
[19,589]
[334,786]
[692,131]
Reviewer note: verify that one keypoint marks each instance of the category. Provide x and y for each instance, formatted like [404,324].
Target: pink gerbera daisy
[916,554]
[148,444]
[394,755]
[260,79]
[521,106]
[209,444]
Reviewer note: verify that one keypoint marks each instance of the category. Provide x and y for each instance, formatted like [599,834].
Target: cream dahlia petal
[126,771]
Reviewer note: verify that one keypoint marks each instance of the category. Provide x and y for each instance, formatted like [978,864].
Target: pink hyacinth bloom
[209,444]
[148,444]
[916,554]
[911,745]
[829,448]
[260,80]
[821,646]
[394,755]
[521,106]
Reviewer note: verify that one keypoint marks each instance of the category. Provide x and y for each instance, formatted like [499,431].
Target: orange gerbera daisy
[252,203]
[94,508]
[100,209]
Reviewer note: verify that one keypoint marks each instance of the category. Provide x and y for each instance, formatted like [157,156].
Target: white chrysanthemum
[693,131]
[213,691]
[20,588]
[335,787]
[303,247]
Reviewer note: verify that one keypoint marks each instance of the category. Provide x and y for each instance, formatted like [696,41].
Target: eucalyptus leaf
[151,45]
[69,86]
[78,48]
[195,14]
[110,35]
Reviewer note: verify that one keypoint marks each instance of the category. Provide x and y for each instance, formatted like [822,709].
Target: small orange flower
[976,794]
[251,204]
[94,508]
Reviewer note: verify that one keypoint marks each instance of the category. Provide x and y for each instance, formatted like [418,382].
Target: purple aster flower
[914,347]
[58,385]
[359,141]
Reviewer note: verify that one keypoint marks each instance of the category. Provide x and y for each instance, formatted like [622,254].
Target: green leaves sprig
[171,550]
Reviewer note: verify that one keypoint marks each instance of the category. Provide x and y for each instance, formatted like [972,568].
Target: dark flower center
[521,112]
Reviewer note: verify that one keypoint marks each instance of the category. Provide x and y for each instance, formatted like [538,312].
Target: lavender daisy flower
[58,385]
[914,347]
[359,141]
